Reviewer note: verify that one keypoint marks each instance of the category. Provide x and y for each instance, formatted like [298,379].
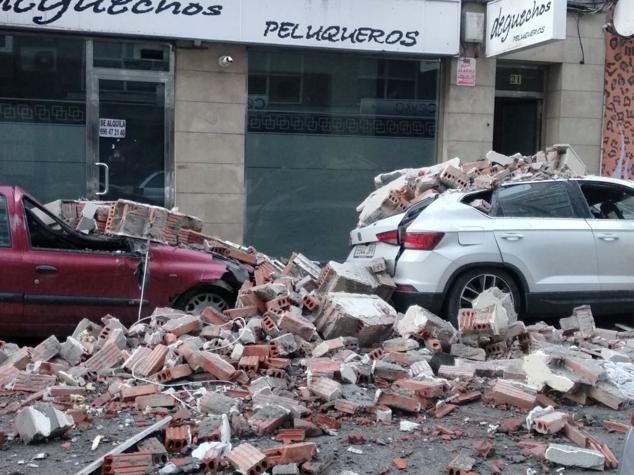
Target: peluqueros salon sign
[413,26]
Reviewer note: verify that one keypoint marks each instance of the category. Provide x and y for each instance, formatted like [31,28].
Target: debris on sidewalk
[303,350]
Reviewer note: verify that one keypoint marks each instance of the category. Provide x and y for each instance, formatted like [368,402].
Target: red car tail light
[632,419]
[388,237]
[422,241]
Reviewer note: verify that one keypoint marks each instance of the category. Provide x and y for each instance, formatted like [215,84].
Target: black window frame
[577,201]
[4,205]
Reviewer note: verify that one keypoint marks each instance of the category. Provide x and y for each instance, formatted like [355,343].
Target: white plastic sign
[518,24]
[466,74]
[112,128]
[411,26]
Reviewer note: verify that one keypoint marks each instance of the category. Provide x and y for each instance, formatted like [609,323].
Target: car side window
[5,237]
[533,200]
[49,232]
[607,201]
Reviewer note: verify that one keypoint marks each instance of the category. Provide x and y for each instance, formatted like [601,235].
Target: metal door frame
[93,75]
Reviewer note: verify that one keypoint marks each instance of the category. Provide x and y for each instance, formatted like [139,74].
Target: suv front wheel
[472,282]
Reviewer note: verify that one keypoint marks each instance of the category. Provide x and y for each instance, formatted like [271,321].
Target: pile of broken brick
[398,190]
[303,349]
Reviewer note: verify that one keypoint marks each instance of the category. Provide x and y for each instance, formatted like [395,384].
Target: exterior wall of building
[573,99]
[210,110]
[466,119]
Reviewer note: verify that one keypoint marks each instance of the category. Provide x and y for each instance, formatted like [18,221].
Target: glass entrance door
[130,122]
[131,131]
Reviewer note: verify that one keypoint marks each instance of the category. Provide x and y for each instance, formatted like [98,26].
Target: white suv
[553,244]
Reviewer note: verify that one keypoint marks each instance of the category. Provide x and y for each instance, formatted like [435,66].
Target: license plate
[365,251]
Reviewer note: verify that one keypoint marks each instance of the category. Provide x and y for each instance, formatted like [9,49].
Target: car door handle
[512,236]
[608,237]
[46,269]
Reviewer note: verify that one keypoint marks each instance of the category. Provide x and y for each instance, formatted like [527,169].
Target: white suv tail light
[422,241]
[388,237]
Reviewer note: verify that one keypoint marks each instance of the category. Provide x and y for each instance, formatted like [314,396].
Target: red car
[52,276]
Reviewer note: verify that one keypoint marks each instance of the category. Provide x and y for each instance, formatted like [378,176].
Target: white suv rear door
[612,210]
[377,240]
[541,232]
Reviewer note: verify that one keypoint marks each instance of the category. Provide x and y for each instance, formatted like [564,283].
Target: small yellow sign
[515,79]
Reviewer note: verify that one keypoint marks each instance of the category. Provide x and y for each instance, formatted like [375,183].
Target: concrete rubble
[397,190]
[352,356]
[306,349]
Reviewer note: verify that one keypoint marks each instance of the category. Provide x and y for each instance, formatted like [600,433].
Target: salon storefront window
[320,127]
[56,144]
[43,114]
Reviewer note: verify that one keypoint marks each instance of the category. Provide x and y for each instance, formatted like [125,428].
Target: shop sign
[466,75]
[112,128]
[409,26]
[518,24]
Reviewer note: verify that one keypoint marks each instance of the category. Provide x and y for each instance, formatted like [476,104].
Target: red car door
[11,270]
[64,285]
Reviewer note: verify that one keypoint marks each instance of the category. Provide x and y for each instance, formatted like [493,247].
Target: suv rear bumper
[431,301]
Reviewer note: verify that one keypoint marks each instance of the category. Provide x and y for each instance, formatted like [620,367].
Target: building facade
[271,127]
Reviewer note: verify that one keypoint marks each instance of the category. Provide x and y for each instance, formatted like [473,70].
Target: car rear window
[5,238]
[533,200]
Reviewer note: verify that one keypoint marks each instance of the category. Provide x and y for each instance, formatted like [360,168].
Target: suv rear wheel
[472,282]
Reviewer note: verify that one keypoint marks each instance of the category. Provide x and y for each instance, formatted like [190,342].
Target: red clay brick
[535,449]
[612,426]
[376,354]
[261,351]
[153,362]
[269,326]
[247,459]
[132,392]
[443,410]
[467,397]
[106,358]
[310,302]
[288,436]
[329,422]
[400,463]
[425,388]
[32,382]
[213,316]
[292,453]
[154,400]
[356,438]
[183,325]
[297,325]
[550,423]
[244,312]
[505,393]
[140,354]
[177,438]
[174,373]
[217,367]
[191,355]
[249,363]
[280,302]
[397,401]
